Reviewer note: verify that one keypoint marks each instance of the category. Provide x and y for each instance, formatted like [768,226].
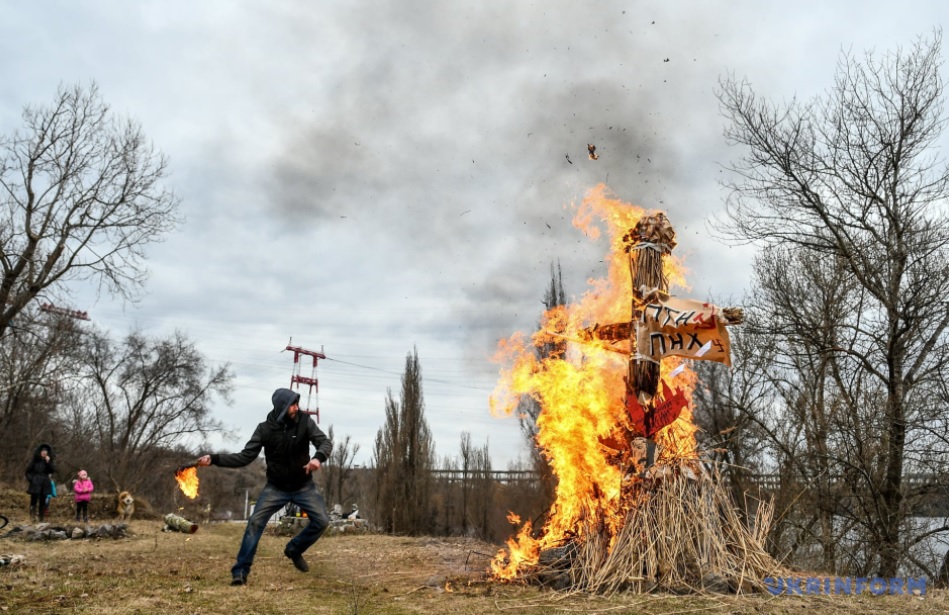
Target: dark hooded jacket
[286,445]
[38,472]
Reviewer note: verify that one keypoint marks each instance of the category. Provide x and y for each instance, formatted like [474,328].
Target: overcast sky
[371,177]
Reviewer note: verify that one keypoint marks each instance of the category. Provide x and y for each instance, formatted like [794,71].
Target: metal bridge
[500,476]
[915,482]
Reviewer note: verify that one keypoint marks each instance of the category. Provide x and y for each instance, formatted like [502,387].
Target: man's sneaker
[239,579]
[298,562]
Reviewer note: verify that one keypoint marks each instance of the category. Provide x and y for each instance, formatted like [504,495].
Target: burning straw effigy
[637,507]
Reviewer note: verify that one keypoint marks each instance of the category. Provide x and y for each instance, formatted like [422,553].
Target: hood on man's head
[39,449]
[283,399]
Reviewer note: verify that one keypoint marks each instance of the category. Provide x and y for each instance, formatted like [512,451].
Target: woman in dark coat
[38,475]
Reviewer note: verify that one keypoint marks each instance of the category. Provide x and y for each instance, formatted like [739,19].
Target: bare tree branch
[80,199]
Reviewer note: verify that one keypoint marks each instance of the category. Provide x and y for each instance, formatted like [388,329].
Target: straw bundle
[647,244]
[682,533]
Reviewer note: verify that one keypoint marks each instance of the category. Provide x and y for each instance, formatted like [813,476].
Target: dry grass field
[174,573]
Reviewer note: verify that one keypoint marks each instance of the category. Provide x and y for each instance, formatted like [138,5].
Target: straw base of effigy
[682,533]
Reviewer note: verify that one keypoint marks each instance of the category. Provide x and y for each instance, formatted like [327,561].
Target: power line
[399,374]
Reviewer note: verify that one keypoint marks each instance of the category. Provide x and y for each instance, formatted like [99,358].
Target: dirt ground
[152,571]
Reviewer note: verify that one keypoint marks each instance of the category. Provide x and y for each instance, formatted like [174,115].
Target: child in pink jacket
[83,488]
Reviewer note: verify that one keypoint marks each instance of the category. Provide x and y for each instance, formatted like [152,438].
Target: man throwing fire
[285,437]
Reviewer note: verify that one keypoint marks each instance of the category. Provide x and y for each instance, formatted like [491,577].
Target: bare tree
[466,464]
[729,403]
[852,177]
[481,504]
[782,408]
[80,198]
[476,486]
[385,461]
[417,449]
[33,364]
[337,475]
[404,457]
[142,397]
[447,498]
[528,409]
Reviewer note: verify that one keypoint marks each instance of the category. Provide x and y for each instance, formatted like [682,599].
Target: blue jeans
[270,501]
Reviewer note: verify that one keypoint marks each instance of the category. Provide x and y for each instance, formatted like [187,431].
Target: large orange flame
[188,481]
[582,394]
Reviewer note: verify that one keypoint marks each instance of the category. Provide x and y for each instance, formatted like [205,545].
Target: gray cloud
[372,176]
[465,137]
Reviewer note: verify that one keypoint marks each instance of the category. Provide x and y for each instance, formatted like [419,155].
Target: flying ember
[187,478]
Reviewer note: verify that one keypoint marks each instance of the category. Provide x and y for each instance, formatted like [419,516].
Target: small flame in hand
[188,481]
